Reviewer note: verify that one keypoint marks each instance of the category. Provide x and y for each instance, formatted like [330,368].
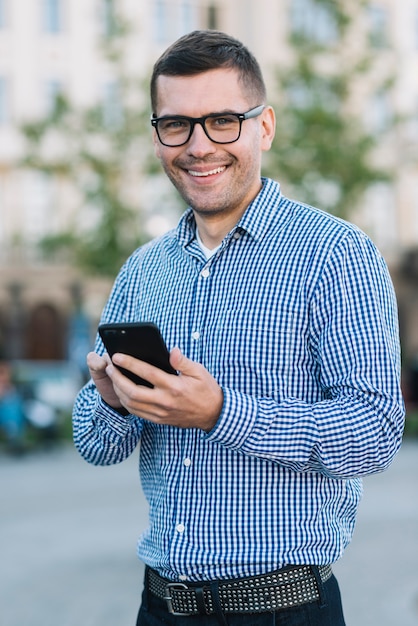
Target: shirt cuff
[120,411]
[236,421]
[113,418]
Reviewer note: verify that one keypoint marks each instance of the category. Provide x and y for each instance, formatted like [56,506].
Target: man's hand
[191,400]
[97,366]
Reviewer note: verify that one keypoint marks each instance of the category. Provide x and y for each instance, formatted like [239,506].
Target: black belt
[291,586]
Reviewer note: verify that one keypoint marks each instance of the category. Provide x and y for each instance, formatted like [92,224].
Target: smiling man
[282,326]
[219,180]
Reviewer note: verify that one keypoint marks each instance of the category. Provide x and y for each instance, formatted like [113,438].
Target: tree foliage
[322,151]
[101,152]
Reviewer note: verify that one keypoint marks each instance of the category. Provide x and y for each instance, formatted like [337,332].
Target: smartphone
[141,340]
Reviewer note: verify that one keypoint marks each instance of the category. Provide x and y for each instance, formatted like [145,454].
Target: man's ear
[268,121]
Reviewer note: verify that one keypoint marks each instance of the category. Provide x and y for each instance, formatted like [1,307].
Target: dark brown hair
[204,50]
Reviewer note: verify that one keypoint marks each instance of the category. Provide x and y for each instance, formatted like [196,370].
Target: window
[187,16]
[380,112]
[379,216]
[173,19]
[52,16]
[213,19]
[313,20]
[108,17]
[4,100]
[2,14]
[378,26]
[112,107]
[161,22]
[416,29]
[318,93]
[37,203]
[53,88]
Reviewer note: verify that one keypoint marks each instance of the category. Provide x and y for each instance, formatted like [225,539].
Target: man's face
[215,179]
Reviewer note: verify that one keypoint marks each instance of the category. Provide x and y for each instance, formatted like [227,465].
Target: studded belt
[291,586]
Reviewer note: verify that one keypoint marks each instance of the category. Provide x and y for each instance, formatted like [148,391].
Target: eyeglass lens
[219,128]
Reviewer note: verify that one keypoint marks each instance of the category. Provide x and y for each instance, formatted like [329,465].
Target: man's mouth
[218,170]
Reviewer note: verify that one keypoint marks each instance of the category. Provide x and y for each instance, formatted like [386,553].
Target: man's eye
[173,125]
[224,120]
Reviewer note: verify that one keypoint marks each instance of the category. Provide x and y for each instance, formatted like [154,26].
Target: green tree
[102,153]
[322,152]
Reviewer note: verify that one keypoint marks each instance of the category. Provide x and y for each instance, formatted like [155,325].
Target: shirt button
[196,335]
[180,528]
[187,462]
[237,235]
[205,273]
[183,577]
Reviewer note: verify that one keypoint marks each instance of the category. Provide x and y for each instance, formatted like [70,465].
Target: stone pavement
[68,533]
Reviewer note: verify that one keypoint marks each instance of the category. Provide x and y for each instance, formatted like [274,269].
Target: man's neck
[213,231]
[208,252]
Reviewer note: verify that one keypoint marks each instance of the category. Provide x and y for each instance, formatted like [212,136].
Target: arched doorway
[45,339]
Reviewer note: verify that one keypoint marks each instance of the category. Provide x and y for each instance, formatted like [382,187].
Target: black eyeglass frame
[255,112]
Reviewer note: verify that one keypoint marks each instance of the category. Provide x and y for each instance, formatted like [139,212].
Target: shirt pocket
[253,353]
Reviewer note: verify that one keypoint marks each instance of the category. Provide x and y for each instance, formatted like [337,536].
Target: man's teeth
[218,170]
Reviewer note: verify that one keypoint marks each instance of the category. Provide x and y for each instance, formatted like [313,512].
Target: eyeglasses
[175,130]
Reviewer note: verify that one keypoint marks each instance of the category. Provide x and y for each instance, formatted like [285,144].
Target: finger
[140,400]
[95,362]
[127,390]
[177,359]
[185,366]
[148,372]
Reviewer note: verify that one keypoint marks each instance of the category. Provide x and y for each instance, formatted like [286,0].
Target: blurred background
[80,187]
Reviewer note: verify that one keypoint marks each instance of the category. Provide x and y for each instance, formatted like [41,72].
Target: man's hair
[204,50]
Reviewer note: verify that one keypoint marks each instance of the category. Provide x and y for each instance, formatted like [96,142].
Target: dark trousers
[327,611]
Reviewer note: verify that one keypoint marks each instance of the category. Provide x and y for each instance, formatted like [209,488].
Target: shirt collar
[256,220]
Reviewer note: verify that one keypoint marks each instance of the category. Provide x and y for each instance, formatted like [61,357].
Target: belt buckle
[168,598]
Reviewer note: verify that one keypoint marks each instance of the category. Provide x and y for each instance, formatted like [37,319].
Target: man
[281,321]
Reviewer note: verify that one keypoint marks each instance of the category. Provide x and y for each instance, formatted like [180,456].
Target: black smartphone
[141,340]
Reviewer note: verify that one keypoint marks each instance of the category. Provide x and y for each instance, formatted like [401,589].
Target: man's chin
[206,210]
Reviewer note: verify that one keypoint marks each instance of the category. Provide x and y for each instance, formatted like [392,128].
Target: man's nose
[199,143]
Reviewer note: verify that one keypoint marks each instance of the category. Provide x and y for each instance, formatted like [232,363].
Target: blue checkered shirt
[295,317]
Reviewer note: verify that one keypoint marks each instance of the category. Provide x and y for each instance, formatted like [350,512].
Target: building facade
[49,46]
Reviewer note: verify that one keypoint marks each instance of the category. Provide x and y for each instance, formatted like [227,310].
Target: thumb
[180,362]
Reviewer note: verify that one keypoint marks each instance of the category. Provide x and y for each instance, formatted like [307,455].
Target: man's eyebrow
[223,112]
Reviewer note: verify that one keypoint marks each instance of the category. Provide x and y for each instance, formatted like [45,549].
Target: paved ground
[68,533]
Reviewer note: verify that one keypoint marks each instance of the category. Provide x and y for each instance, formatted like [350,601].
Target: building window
[173,19]
[379,216]
[378,26]
[52,16]
[187,16]
[213,17]
[380,112]
[112,105]
[4,100]
[37,202]
[161,22]
[2,14]
[53,88]
[108,17]
[313,20]
[318,94]
[416,28]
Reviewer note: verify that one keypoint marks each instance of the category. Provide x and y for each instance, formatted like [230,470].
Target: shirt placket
[200,305]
